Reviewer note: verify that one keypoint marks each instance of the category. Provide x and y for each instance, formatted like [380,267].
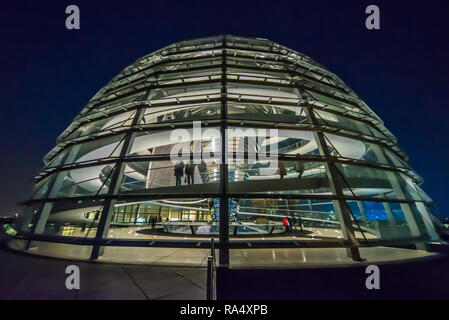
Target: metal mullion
[136,197]
[114,186]
[39,213]
[224,210]
[341,207]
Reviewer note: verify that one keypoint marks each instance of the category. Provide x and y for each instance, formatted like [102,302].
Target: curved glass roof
[337,169]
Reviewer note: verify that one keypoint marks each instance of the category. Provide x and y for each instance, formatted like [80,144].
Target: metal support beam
[389,213]
[114,188]
[44,209]
[341,207]
[43,218]
[224,199]
[362,210]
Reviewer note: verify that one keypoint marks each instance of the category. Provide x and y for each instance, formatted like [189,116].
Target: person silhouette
[179,172]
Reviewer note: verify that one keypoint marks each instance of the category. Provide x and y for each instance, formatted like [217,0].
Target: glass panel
[115,122]
[337,121]
[424,196]
[187,76]
[339,146]
[266,112]
[235,74]
[146,70]
[189,64]
[284,219]
[94,150]
[176,113]
[371,182]
[117,102]
[82,182]
[42,187]
[421,214]
[165,219]
[185,93]
[59,159]
[327,100]
[251,54]
[386,220]
[71,219]
[198,54]
[308,78]
[245,62]
[27,219]
[249,74]
[127,80]
[394,160]
[262,93]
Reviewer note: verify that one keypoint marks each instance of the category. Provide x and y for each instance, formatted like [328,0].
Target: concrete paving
[24,276]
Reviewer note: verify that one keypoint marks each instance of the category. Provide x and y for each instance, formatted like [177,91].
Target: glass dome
[318,169]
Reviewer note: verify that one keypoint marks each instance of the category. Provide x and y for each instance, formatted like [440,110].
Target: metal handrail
[211,281]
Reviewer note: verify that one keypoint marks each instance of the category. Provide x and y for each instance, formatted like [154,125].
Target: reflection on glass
[81,220]
[192,112]
[335,120]
[387,220]
[99,149]
[266,112]
[115,122]
[372,182]
[339,146]
[82,182]
[42,187]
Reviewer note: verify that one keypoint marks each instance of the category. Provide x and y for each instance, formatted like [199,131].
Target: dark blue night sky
[49,73]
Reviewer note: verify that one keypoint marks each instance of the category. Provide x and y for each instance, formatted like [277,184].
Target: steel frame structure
[215,67]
